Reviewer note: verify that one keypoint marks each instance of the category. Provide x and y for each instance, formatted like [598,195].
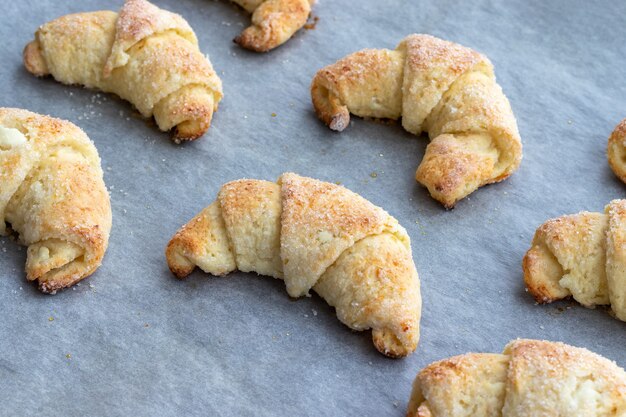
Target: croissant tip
[180,273]
[339,122]
[247,43]
[34,60]
[51,288]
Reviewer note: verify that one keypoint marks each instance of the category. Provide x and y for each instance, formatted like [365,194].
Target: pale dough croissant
[616,151]
[317,235]
[581,255]
[273,22]
[53,196]
[144,54]
[532,378]
[438,87]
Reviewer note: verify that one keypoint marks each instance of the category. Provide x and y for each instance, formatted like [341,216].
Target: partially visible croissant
[531,378]
[53,195]
[581,255]
[144,54]
[616,150]
[438,87]
[273,22]
[317,235]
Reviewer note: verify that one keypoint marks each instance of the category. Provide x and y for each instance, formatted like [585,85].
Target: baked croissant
[273,22]
[317,235]
[144,54]
[531,378]
[53,196]
[581,255]
[616,151]
[438,87]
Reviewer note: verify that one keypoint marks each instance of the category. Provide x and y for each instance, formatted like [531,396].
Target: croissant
[273,22]
[531,378]
[53,196]
[317,235]
[144,54]
[616,151]
[438,87]
[581,255]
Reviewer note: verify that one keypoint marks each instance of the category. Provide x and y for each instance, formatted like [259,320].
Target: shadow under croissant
[255,286]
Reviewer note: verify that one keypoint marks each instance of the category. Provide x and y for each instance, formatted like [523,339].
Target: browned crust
[187,240]
[34,60]
[197,116]
[616,151]
[137,22]
[139,19]
[327,105]
[542,270]
[389,345]
[534,266]
[273,23]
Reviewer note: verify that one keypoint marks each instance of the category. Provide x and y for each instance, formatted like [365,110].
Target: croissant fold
[53,196]
[273,22]
[531,378]
[314,235]
[583,256]
[438,87]
[144,54]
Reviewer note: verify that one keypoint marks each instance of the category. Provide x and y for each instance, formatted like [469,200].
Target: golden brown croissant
[273,22]
[53,196]
[532,378]
[616,151]
[317,235]
[144,54]
[438,87]
[581,255]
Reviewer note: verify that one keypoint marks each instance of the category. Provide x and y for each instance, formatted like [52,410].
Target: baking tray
[132,340]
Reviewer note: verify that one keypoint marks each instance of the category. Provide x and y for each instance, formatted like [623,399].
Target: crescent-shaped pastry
[438,87]
[531,378]
[273,22]
[581,256]
[144,54]
[53,196]
[313,235]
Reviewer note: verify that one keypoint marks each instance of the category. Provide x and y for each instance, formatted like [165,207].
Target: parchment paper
[133,341]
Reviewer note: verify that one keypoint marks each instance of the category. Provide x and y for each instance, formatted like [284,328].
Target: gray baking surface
[133,341]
